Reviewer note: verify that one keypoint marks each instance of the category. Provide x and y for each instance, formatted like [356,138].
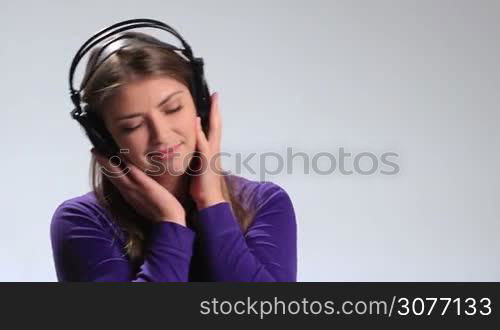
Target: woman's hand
[144,194]
[206,185]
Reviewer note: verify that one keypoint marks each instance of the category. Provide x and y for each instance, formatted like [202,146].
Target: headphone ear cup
[201,94]
[97,133]
[205,106]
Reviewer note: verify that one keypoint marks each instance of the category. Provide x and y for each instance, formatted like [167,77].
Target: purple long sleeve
[87,248]
[267,252]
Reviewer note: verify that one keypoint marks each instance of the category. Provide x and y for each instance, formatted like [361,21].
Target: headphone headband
[115,29]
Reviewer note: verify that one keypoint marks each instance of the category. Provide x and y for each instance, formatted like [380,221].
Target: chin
[166,168]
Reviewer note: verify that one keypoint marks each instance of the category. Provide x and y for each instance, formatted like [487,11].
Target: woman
[164,215]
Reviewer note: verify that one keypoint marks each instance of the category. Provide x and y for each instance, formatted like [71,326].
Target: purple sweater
[87,244]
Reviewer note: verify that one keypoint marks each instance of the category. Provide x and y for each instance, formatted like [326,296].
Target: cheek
[190,140]
[133,148]
[189,132]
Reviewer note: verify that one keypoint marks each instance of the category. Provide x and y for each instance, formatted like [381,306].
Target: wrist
[179,222]
[210,202]
[179,219]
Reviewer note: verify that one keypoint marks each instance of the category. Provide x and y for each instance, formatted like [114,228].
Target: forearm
[232,256]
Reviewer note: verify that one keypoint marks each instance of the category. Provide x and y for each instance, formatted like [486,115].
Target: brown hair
[143,57]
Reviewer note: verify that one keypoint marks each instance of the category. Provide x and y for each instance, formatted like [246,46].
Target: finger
[110,167]
[201,139]
[203,147]
[141,178]
[214,135]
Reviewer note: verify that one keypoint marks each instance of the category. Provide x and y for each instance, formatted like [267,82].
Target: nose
[159,128]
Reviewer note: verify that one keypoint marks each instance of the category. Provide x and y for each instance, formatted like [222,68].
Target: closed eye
[130,129]
[174,110]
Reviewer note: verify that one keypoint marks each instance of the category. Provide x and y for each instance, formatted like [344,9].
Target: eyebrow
[162,102]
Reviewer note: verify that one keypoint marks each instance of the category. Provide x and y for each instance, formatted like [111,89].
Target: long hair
[143,58]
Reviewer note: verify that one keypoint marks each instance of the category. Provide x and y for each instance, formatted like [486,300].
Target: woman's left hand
[206,185]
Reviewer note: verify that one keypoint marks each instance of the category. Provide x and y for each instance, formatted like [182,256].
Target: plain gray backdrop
[417,78]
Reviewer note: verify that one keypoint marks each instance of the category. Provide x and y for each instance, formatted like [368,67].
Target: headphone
[87,117]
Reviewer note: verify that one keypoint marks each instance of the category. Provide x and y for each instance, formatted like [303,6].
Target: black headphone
[94,128]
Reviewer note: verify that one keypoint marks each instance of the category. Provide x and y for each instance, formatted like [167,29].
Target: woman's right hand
[144,194]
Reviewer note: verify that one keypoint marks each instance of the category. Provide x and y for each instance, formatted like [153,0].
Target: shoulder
[260,195]
[82,212]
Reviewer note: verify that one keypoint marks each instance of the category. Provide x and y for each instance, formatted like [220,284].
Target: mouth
[165,152]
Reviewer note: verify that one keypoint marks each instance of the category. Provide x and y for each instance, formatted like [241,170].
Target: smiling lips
[166,152]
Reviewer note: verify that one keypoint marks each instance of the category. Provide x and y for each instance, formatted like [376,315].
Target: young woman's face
[149,116]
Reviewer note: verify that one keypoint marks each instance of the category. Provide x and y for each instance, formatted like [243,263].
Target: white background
[419,78]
